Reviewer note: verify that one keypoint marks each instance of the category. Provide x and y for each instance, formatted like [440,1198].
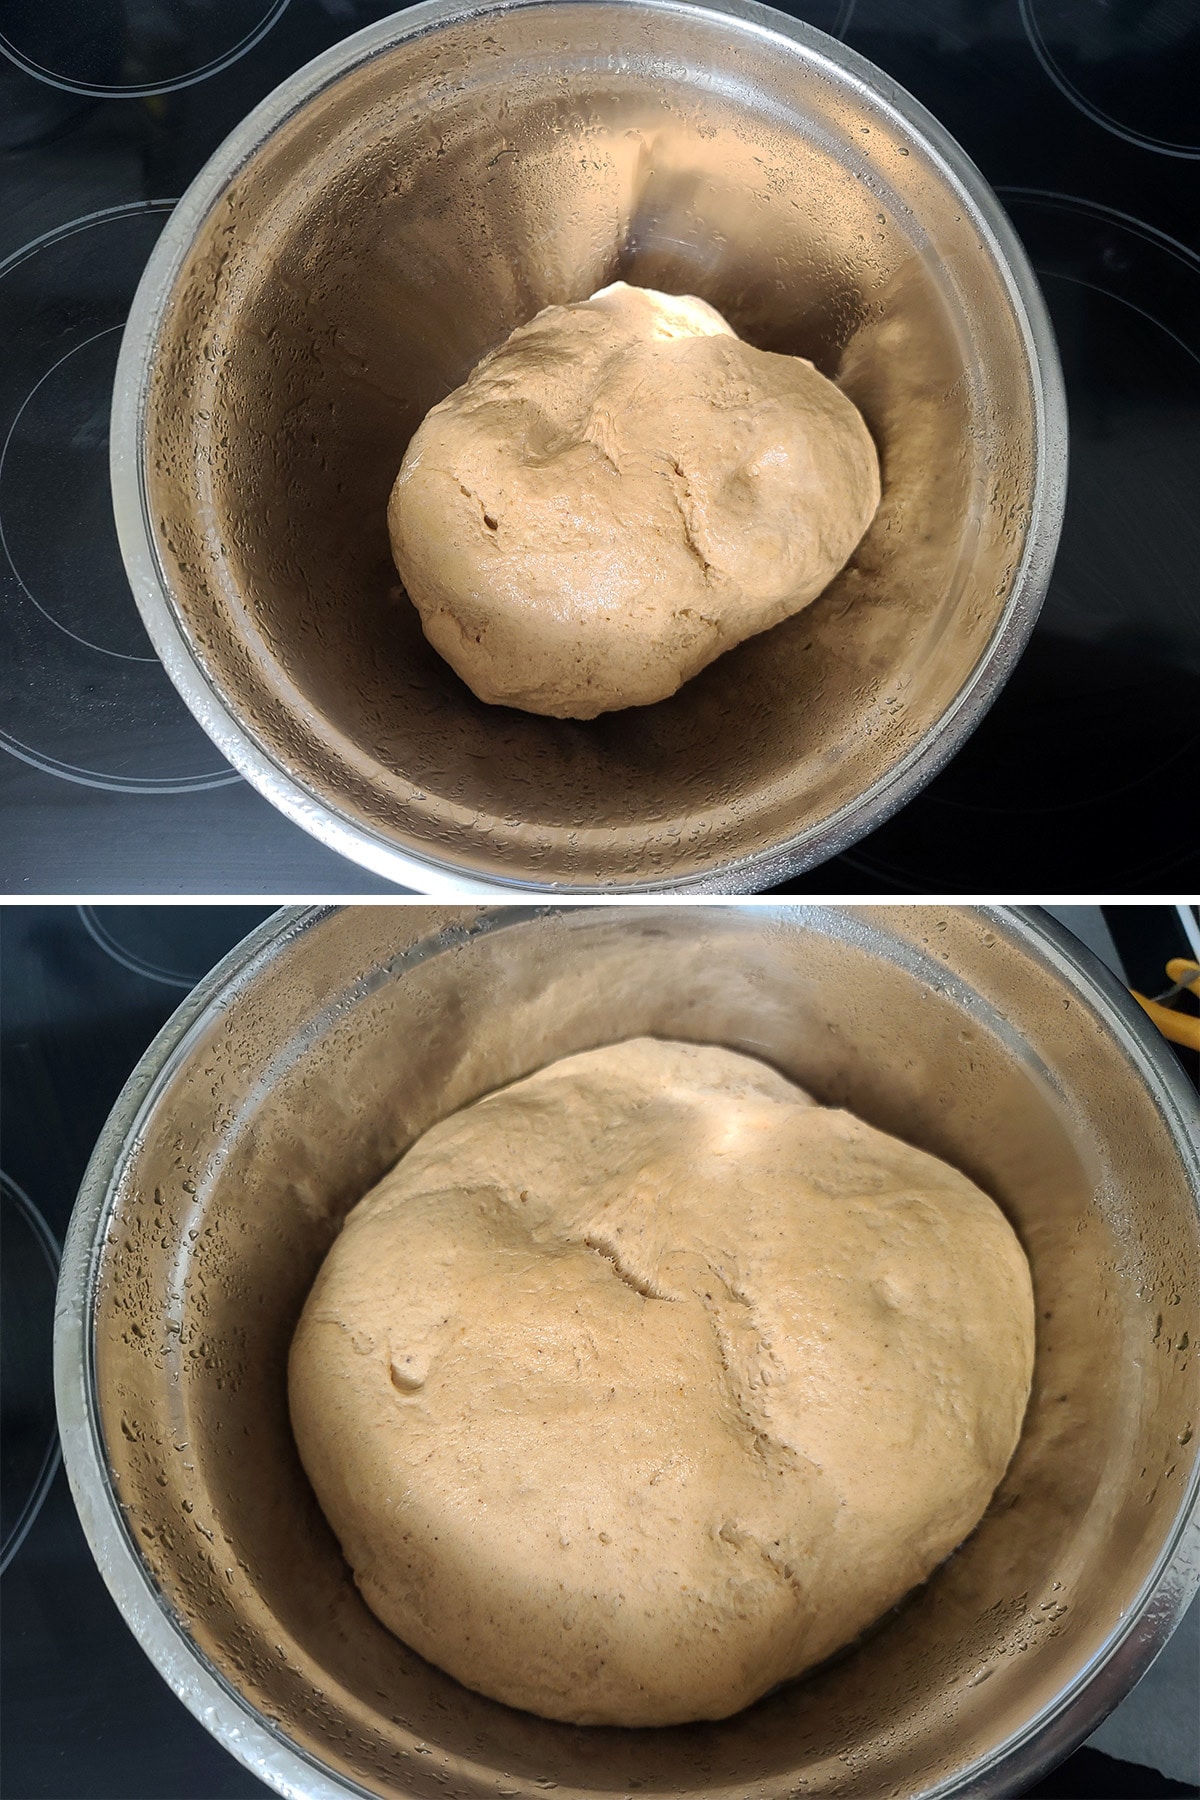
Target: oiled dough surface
[646,1383]
[619,493]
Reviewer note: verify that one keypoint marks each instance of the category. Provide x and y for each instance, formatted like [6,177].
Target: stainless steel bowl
[308,1061]
[390,213]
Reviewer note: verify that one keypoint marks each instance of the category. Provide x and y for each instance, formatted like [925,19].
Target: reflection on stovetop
[1084,118]
[86,1716]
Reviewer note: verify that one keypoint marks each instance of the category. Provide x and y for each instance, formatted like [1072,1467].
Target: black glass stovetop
[1082,113]
[86,1716]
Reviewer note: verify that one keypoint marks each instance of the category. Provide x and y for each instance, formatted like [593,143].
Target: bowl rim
[403,859]
[1050,1734]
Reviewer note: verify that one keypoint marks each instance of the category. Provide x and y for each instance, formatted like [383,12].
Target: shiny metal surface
[307,1062]
[392,212]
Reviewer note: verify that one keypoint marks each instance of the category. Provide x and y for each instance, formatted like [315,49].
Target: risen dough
[620,492]
[645,1383]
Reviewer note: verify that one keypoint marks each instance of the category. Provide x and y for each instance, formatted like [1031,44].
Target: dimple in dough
[618,494]
[646,1383]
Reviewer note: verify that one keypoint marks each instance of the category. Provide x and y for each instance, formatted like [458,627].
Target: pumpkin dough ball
[646,1383]
[619,493]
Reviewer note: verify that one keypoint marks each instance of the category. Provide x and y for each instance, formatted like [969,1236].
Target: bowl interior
[400,224]
[355,1031]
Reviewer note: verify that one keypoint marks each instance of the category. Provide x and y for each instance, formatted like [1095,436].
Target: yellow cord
[1181,1028]
[1184,973]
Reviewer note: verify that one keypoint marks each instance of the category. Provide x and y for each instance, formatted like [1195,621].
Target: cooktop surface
[1080,112]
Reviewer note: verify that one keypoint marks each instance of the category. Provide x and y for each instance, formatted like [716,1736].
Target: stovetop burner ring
[31,1246]
[106,41]
[88,643]
[89,702]
[1090,108]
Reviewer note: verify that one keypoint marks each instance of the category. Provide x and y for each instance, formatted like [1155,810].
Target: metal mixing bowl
[313,1056]
[392,212]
